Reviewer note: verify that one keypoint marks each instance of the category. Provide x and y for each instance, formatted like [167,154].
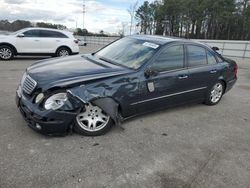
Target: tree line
[213,19]
[85,32]
[6,25]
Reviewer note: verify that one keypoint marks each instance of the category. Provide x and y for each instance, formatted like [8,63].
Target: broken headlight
[56,101]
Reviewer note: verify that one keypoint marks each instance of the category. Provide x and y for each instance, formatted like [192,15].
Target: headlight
[39,97]
[55,101]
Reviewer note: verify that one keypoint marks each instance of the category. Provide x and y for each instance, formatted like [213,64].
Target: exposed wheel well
[64,47]
[10,45]
[110,106]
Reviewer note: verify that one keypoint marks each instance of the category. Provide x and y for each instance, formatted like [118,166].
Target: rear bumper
[45,122]
[75,49]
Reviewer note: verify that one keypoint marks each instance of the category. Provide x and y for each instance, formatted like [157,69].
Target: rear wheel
[63,52]
[215,94]
[92,121]
[6,53]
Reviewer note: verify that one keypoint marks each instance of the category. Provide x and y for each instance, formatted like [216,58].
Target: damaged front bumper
[47,122]
[60,122]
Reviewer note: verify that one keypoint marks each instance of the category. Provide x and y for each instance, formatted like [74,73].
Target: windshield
[128,52]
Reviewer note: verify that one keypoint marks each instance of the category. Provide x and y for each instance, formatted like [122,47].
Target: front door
[29,43]
[165,82]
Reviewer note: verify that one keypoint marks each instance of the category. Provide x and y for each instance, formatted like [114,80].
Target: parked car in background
[82,42]
[134,75]
[38,41]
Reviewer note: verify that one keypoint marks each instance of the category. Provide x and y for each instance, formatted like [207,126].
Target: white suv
[38,41]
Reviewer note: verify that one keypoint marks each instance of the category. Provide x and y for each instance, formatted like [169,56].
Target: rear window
[210,58]
[196,56]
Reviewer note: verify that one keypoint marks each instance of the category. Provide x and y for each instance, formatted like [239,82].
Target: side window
[210,58]
[60,35]
[46,34]
[196,56]
[170,59]
[32,33]
[52,34]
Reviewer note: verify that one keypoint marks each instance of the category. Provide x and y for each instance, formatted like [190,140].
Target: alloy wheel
[5,53]
[92,119]
[63,53]
[216,93]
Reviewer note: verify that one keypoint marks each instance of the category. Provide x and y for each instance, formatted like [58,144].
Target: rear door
[51,40]
[203,69]
[168,84]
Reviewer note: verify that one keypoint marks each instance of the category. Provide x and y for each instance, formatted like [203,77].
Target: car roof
[161,40]
[48,29]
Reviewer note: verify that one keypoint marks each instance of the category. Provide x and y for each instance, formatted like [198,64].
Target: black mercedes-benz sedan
[134,75]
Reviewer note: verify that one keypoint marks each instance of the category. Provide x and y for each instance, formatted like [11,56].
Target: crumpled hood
[70,70]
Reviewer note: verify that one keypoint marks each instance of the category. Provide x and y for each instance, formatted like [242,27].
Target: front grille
[28,85]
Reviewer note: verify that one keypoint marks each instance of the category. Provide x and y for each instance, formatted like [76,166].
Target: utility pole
[83,13]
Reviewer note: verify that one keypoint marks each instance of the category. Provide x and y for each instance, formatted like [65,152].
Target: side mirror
[149,72]
[20,35]
[215,48]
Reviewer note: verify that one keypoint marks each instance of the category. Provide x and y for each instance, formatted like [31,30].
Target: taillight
[235,70]
[76,41]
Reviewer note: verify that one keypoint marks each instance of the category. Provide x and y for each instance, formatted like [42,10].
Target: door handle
[36,40]
[213,71]
[183,77]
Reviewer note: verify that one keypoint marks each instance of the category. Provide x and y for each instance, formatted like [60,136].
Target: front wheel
[215,94]
[6,53]
[92,121]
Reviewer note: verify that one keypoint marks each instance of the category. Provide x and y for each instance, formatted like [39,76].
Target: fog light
[39,97]
[38,126]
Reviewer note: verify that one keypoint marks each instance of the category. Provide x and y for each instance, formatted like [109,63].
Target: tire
[92,121]
[63,52]
[215,93]
[6,53]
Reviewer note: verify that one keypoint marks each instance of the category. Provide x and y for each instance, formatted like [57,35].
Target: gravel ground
[188,146]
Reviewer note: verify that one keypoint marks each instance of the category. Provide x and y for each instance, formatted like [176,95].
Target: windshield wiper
[113,62]
[107,60]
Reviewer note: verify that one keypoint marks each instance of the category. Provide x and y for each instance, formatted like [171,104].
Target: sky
[106,15]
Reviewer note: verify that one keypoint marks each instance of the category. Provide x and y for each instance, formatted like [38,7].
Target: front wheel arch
[111,107]
[11,46]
